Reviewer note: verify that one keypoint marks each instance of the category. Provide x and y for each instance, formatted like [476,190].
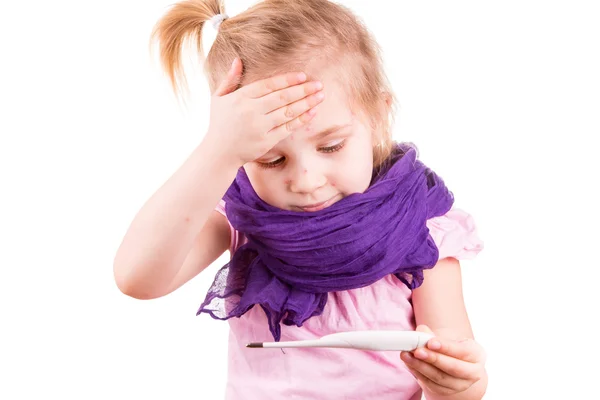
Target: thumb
[423,328]
[232,79]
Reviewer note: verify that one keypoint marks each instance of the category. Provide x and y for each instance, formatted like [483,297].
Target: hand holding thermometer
[361,340]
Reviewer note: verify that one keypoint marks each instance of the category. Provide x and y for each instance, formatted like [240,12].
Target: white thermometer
[361,340]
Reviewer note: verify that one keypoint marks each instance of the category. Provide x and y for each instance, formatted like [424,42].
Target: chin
[320,206]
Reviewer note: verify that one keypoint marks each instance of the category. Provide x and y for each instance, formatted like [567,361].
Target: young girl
[331,225]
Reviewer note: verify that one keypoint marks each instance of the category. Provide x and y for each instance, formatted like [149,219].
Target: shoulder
[455,234]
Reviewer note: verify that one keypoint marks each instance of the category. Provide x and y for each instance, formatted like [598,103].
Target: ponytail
[183,20]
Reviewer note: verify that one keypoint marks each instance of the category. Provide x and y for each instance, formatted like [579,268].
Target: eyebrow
[329,131]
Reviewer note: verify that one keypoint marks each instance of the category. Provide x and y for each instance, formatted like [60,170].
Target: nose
[306,179]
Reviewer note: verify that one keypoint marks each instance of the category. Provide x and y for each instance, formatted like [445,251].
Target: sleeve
[234,234]
[455,235]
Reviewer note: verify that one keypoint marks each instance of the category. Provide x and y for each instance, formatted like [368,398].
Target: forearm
[162,233]
[475,392]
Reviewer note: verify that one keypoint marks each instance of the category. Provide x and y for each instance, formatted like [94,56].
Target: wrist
[219,154]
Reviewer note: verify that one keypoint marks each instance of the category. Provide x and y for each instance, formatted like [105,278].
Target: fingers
[438,376]
[286,96]
[265,86]
[451,366]
[431,385]
[232,79]
[466,350]
[423,328]
[287,113]
[282,131]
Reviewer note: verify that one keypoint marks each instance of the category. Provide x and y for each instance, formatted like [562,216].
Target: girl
[331,225]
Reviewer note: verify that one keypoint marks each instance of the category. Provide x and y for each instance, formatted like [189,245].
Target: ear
[387,98]
[386,105]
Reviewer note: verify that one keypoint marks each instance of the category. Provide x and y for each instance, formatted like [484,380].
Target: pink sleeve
[234,235]
[455,235]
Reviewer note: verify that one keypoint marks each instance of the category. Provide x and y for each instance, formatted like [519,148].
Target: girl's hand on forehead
[246,123]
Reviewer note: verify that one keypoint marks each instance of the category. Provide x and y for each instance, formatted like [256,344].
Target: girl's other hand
[248,122]
[445,366]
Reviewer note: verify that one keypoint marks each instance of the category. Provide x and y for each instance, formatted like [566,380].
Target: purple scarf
[293,259]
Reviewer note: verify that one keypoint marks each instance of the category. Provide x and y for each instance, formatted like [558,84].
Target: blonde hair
[276,36]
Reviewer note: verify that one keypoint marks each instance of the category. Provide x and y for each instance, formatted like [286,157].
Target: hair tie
[217,19]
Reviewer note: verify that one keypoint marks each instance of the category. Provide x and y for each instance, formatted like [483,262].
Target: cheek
[354,178]
[354,171]
[258,179]
[268,184]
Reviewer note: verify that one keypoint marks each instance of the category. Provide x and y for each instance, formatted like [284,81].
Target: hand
[446,366]
[246,123]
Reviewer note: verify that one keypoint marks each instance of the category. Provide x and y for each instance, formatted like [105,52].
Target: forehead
[335,109]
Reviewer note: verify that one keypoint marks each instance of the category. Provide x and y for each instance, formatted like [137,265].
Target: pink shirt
[264,374]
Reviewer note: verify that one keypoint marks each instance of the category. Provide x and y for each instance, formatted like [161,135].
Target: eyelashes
[334,148]
[271,164]
[329,149]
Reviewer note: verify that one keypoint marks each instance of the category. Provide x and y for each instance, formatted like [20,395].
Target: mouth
[318,206]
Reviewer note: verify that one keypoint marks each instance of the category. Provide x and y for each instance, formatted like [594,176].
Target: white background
[502,99]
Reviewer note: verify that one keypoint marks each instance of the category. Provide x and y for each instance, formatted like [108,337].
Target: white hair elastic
[217,19]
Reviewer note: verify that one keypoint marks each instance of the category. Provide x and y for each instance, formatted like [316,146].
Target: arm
[438,304]
[173,237]
[177,233]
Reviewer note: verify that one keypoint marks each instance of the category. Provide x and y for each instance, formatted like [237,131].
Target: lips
[318,206]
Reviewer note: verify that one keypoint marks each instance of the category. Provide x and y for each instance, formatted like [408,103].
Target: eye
[271,164]
[334,148]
